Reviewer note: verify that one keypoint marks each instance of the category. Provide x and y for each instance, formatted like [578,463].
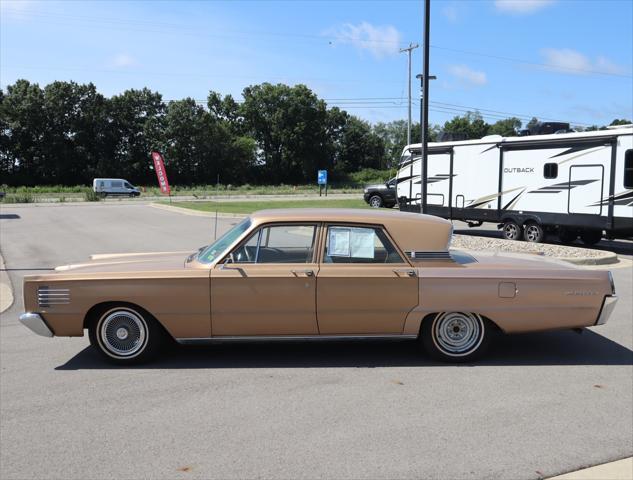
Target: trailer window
[628,169]
[550,170]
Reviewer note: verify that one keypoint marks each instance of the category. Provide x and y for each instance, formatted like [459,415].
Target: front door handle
[407,271]
[307,273]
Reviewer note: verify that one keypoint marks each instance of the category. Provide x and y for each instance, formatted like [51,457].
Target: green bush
[18,198]
[91,196]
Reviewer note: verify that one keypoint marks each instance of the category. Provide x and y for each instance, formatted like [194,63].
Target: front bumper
[608,304]
[35,323]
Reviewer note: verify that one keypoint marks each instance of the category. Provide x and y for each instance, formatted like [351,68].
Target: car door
[364,285]
[267,285]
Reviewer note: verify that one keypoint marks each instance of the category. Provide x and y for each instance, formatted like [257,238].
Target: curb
[618,470]
[195,213]
[6,290]
[608,259]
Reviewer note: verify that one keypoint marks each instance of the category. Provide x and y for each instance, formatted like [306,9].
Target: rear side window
[117,184]
[359,245]
[628,169]
[550,170]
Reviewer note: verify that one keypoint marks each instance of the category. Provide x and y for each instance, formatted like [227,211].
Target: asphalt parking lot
[539,405]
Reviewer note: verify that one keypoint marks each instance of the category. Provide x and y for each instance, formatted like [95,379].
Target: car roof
[413,232]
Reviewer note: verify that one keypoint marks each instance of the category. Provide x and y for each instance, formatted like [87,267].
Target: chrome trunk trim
[608,304]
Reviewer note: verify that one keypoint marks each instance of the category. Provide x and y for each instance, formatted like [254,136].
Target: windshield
[213,251]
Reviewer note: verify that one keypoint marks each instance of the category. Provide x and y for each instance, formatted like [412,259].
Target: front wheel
[456,336]
[125,335]
[375,201]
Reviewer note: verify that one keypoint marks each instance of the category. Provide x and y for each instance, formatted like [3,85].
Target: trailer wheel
[534,232]
[566,235]
[591,237]
[512,230]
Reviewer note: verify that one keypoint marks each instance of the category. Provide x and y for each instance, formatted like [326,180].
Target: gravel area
[468,242]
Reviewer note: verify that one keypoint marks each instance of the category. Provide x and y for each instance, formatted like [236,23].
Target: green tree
[136,128]
[23,121]
[621,121]
[506,128]
[289,125]
[467,127]
[358,147]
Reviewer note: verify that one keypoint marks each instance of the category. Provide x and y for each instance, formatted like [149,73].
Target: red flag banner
[161,174]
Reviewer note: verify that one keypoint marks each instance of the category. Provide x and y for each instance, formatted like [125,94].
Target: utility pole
[411,47]
[425,102]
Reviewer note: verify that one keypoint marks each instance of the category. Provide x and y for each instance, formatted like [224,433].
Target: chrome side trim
[301,338]
[35,323]
[608,304]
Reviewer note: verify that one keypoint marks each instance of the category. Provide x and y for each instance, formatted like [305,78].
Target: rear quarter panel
[543,300]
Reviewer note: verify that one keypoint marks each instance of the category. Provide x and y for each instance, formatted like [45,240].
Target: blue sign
[322,177]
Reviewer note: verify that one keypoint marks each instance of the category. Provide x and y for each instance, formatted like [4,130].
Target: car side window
[347,244]
[278,244]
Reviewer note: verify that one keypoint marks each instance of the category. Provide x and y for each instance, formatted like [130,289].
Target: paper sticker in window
[339,242]
[362,243]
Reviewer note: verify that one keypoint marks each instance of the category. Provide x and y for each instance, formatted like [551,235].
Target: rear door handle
[407,271]
[307,273]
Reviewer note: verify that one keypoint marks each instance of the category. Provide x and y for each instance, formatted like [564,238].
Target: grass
[246,207]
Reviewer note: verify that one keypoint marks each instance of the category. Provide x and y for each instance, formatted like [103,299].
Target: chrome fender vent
[47,296]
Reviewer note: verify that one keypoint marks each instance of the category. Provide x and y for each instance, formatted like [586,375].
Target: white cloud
[521,7]
[123,60]
[451,13]
[468,75]
[380,41]
[573,62]
[18,9]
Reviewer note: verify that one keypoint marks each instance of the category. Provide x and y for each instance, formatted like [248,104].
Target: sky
[564,60]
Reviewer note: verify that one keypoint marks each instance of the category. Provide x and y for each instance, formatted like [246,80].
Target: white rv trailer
[572,184]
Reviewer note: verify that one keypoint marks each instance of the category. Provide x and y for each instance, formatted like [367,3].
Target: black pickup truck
[381,195]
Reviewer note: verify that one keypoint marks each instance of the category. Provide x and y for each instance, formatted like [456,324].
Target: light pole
[424,131]
[424,123]
[411,47]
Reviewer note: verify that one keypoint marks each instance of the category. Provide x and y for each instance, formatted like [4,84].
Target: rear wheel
[125,335]
[456,336]
[591,237]
[534,232]
[375,201]
[512,230]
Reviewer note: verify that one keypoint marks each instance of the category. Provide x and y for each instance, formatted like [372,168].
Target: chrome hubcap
[123,333]
[458,334]
[375,202]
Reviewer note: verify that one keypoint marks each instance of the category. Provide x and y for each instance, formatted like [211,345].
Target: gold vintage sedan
[315,273]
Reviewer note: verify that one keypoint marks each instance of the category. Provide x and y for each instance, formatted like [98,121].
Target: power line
[186,29]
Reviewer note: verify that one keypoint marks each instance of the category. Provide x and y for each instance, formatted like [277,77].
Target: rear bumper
[608,304]
[35,323]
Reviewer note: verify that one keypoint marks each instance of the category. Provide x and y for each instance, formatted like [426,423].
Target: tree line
[68,133]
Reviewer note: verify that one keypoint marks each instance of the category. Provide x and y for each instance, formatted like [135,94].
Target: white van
[114,186]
